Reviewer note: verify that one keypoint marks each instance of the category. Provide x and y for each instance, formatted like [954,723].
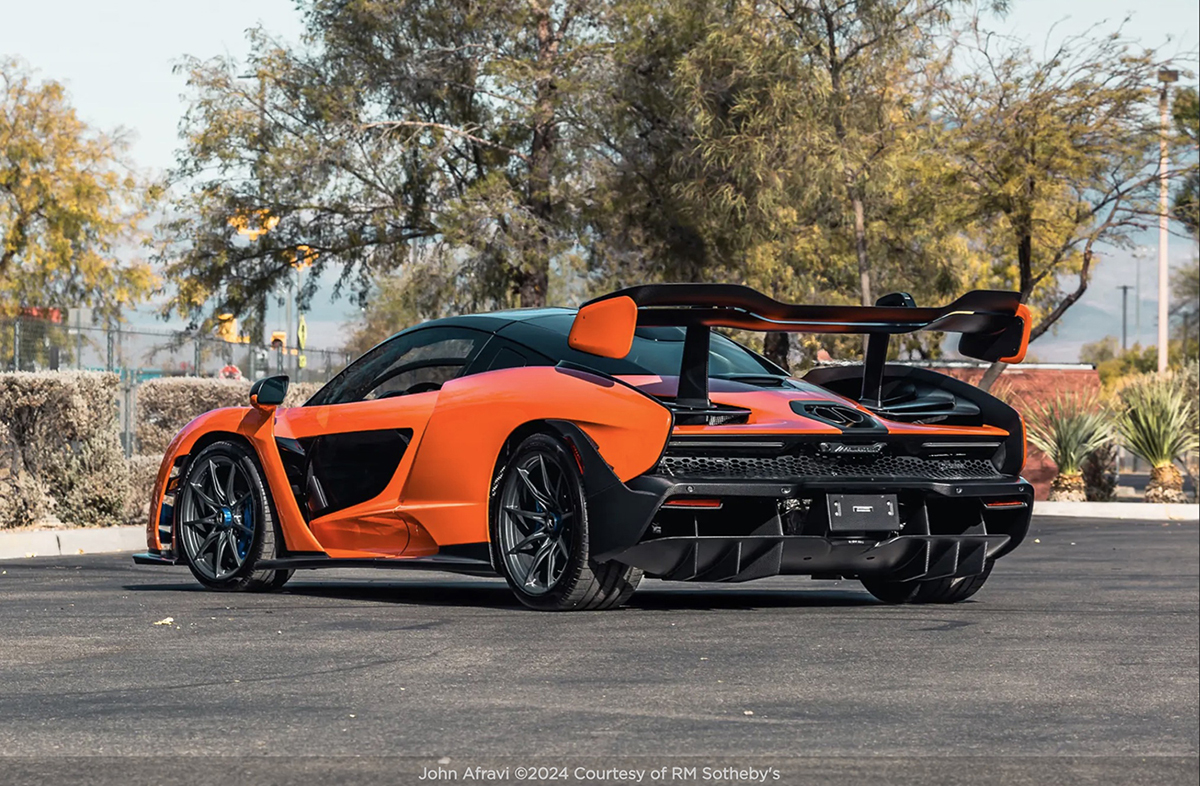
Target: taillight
[685,502]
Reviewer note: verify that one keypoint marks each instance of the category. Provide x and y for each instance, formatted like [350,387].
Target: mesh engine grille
[811,466]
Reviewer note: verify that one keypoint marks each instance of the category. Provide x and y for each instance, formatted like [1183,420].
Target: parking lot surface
[1076,663]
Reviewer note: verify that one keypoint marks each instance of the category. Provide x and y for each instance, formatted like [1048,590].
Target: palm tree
[1068,430]
[1156,425]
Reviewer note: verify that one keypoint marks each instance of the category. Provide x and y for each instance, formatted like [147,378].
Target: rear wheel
[936,591]
[224,520]
[539,534]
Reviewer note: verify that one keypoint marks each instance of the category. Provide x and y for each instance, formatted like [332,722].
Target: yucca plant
[1156,425]
[1068,429]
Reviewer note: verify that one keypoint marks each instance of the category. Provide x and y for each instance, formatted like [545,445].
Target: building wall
[1026,383]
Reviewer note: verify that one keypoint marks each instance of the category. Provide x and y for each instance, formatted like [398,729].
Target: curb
[1121,511]
[57,542]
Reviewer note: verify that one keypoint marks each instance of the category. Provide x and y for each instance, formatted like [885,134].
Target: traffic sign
[302,333]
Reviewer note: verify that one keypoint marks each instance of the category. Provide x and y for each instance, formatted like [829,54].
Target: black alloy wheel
[950,590]
[224,522]
[539,533]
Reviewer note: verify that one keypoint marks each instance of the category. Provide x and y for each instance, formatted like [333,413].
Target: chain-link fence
[62,342]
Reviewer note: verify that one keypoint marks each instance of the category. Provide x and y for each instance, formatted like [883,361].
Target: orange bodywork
[438,495]
[446,494]
[605,328]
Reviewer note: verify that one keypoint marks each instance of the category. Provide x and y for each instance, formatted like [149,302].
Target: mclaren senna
[574,452]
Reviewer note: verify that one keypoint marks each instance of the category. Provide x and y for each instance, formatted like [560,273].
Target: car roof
[493,321]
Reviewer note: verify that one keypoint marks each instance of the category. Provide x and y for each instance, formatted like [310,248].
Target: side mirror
[605,327]
[269,391]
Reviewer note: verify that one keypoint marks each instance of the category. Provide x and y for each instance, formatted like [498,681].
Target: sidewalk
[1123,511]
[56,542]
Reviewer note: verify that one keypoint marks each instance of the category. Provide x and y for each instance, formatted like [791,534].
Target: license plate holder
[863,512]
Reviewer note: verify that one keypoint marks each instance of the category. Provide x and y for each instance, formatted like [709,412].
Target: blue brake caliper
[243,541]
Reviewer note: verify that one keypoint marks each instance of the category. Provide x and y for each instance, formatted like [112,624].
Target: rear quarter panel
[446,494]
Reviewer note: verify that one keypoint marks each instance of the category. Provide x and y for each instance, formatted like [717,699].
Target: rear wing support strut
[876,355]
[693,370]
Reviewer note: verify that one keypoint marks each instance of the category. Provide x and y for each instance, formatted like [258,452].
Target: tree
[1186,113]
[734,161]
[1185,307]
[1058,159]
[861,53]
[71,205]
[418,133]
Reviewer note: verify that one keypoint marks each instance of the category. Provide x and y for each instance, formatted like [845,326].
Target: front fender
[256,426]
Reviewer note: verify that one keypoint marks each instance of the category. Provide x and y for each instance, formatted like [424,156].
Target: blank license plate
[863,512]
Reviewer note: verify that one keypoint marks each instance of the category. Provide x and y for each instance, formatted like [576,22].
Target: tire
[952,590]
[224,521]
[539,534]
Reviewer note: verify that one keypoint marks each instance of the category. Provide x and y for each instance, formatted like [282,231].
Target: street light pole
[1166,77]
[1124,312]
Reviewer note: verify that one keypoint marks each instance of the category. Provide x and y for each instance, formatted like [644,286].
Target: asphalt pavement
[1076,663]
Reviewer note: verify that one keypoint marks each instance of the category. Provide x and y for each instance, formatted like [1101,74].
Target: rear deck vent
[835,414]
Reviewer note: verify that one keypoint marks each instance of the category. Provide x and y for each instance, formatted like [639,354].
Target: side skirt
[463,565]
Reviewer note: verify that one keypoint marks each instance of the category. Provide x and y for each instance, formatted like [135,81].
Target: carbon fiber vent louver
[839,415]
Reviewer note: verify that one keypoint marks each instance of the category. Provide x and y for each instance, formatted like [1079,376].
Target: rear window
[657,350]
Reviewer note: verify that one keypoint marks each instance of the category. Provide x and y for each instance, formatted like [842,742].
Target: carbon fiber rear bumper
[621,514]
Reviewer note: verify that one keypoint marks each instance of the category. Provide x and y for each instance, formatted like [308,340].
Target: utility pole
[1124,312]
[1167,77]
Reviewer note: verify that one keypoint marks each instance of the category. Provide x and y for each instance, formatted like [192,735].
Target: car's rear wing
[994,325]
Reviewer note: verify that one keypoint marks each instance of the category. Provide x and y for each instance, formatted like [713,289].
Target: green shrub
[1157,424]
[62,450]
[1100,473]
[1068,429]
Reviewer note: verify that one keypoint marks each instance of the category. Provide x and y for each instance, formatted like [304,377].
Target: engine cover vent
[837,415]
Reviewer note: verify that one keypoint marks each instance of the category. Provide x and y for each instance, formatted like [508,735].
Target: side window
[424,367]
[412,363]
[507,358]
[500,353]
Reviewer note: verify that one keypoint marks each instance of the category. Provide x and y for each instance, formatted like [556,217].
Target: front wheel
[223,520]
[933,591]
[539,534]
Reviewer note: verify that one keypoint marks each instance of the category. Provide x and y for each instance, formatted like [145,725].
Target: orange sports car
[574,452]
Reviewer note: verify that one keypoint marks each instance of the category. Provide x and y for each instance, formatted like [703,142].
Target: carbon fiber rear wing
[984,312]
[994,324]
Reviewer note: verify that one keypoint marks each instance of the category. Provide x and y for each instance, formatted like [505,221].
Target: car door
[347,450]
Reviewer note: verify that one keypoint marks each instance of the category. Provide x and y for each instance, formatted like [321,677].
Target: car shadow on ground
[654,596]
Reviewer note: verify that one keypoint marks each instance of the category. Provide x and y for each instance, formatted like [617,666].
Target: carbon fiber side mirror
[269,391]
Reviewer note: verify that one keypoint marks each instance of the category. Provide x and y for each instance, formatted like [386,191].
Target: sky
[116,60]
